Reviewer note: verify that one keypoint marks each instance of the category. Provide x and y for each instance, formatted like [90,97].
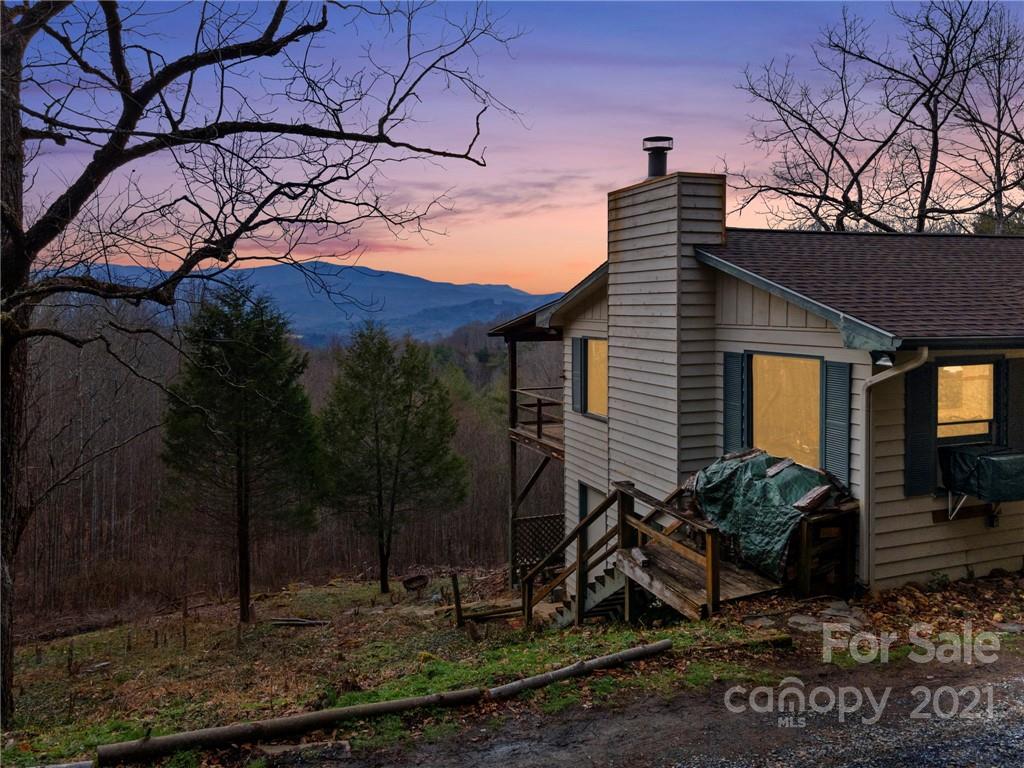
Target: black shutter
[836,418]
[1014,398]
[734,398]
[584,501]
[920,420]
[578,362]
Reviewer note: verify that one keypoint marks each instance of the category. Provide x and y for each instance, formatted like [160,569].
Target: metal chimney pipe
[657,148]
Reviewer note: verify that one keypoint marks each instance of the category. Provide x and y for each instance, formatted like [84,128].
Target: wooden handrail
[604,506]
[682,550]
[625,534]
[535,394]
[661,506]
[569,569]
[631,524]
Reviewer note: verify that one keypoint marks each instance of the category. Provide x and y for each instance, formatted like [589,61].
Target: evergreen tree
[239,434]
[987,223]
[387,432]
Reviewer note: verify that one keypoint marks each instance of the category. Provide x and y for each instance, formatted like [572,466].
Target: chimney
[657,148]
[662,343]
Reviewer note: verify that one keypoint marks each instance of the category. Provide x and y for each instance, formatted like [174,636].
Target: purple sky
[591,79]
[588,80]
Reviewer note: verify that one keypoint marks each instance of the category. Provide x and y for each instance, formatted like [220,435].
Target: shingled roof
[914,289]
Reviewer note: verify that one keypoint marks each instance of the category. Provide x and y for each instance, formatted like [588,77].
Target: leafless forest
[106,543]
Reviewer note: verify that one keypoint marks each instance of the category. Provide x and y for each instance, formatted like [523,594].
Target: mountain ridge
[406,304]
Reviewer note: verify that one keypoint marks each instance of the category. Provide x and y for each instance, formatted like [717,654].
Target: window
[597,376]
[786,407]
[966,402]
[590,376]
[956,401]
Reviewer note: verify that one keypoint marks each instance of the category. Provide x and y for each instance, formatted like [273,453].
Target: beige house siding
[908,545]
[669,319]
[702,222]
[748,319]
[586,437]
[643,327]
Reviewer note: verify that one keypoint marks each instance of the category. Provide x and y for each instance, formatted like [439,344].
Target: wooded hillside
[105,541]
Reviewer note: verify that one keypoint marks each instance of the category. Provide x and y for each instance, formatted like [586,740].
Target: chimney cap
[657,143]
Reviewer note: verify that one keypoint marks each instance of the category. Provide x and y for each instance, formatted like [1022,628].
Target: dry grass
[150,675]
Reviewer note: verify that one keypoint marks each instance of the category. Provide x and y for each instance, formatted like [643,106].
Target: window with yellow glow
[786,408]
[597,376]
[966,400]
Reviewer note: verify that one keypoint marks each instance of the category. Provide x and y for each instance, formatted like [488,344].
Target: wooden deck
[551,441]
[680,583]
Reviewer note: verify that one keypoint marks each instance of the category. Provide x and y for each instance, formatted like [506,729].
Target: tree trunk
[14,271]
[242,507]
[14,510]
[383,557]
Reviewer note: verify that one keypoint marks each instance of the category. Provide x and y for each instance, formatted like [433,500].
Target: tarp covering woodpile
[750,498]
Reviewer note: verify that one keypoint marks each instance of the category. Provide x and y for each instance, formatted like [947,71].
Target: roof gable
[887,291]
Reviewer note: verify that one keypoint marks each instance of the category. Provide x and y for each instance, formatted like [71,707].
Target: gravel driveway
[696,730]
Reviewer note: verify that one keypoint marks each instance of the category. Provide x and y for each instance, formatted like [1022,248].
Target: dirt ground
[696,729]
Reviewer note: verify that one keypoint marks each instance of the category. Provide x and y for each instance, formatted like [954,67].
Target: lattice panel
[536,536]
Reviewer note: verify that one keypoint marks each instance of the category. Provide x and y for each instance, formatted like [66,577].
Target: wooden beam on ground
[147,750]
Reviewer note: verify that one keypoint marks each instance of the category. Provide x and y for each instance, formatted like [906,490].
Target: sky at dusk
[588,81]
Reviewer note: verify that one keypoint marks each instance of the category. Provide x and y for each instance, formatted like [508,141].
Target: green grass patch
[845,660]
[69,740]
[380,733]
[558,697]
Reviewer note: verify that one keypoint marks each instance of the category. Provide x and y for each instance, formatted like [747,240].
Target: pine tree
[387,432]
[239,434]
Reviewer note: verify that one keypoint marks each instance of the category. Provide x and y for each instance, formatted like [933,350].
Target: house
[864,354]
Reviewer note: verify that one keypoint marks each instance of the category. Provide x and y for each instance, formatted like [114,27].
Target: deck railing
[632,529]
[635,530]
[536,408]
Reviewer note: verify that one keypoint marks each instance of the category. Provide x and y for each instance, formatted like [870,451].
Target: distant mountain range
[422,308]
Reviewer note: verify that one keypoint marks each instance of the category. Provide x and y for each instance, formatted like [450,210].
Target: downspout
[869,444]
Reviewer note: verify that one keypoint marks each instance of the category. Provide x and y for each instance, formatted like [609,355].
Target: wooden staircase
[604,597]
[668,552]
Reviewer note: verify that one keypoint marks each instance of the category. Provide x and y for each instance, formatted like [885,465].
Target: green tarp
[988,472]
[756,510]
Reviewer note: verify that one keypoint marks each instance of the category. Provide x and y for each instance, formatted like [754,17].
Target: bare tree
[256,143]
[922,133]
[992,115]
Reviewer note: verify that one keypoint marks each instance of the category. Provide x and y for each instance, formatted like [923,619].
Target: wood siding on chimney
[701,222]
[643,332]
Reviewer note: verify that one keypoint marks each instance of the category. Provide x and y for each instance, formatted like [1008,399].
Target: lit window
[597,376]
[787,407]
[966,401]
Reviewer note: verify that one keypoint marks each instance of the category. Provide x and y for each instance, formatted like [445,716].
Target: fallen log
[579,668]
[284,621]
[147,750]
